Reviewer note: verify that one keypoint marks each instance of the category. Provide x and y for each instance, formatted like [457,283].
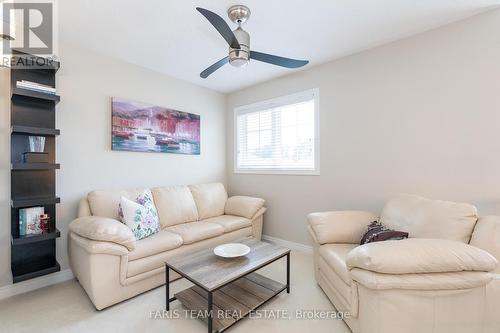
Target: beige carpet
[65,308]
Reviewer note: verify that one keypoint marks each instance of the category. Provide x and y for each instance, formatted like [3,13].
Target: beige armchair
[444,278]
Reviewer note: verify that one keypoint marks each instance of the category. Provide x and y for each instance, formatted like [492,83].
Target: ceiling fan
[239,42]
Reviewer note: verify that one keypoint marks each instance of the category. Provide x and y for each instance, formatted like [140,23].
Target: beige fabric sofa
[443,279]
[112,266]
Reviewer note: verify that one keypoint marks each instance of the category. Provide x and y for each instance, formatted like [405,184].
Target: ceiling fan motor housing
[240,57]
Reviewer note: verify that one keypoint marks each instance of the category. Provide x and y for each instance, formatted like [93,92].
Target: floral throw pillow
[140,215]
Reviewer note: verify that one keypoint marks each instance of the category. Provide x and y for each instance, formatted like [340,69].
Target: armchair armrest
[419,255]
[243,206]
[339,226]
[103,229]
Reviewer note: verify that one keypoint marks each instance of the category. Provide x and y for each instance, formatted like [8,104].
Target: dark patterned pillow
[377,232]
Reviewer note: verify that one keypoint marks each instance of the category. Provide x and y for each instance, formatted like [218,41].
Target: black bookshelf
[33,184]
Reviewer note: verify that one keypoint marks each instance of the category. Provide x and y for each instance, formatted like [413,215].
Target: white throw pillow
[140,216]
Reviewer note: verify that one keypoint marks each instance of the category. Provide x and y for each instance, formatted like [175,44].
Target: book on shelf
[30,222]
[36,86]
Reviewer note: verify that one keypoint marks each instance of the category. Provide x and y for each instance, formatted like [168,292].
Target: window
[278,136]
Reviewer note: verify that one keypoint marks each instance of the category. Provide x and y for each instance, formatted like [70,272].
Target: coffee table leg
[288,273]
[210,305]
[167,287]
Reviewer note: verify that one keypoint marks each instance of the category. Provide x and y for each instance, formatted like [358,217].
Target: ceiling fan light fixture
[240,57]
[238,62]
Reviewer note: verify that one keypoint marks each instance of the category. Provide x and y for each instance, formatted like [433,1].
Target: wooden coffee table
[228,289]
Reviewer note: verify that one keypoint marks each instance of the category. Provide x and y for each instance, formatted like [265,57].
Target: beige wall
[86,81]
[421,115]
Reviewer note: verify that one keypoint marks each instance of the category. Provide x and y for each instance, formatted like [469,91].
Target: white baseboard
[43,281]
[291,245]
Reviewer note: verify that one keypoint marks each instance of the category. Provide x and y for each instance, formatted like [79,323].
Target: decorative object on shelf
[147,128]
[24,84]
[44,223]
[37,144]
[35,157]
[29,221]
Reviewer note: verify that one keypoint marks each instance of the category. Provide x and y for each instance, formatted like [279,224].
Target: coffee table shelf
[233,301]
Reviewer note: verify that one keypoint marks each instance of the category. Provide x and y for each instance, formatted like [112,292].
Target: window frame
[275,102]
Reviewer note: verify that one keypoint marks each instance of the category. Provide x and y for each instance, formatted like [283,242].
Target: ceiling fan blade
[276,60]
[221,26]
[214,67]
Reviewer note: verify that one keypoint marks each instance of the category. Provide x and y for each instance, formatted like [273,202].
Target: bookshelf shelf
[33,184]
[31,270]
[34,166]
[35,238]
[35,94]
[36,201]
[30,130]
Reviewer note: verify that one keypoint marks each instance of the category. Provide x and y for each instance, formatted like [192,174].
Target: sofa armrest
[339,226]
[420,255]
[98,247]
[103,229]
[243,206]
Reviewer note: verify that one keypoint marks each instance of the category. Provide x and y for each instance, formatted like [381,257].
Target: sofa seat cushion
[196,231]
[154,262]
[420,256]
[428,281]
[230,222]
[157,243]
[426,218]
[335,256]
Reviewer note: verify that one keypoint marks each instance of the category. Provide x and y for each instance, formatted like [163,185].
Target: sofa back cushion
[486,236]
[105,203]
[210,199]
[426,218]
[175,205]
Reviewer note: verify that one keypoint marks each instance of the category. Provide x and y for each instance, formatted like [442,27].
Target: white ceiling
[171,37]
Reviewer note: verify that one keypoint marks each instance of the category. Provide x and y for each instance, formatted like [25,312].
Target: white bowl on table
[231,250]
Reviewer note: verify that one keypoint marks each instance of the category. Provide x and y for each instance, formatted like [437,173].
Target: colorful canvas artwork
[149,128]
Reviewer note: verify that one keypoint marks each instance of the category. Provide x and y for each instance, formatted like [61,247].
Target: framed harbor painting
[149,128]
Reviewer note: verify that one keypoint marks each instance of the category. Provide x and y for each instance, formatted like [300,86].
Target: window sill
[277,172]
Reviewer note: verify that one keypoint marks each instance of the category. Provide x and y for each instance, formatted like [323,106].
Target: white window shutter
[278,135]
